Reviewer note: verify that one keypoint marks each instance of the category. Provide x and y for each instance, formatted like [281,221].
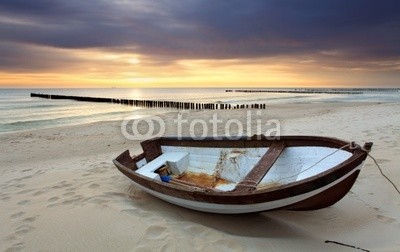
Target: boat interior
[230,168]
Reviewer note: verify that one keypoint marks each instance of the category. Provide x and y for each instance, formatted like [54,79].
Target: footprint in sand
[196,230]
[68,202]
[68,194]
[98,201]
[53,199]
[94,185]
[62,184]
[24,229]
[39,172]
[16,215]
[385,218]
[40,192]
[155,232]
[6,198]
[76,199]
[23,202]
[25,191]
[29,219]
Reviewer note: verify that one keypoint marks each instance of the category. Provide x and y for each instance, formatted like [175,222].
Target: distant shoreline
[315,90]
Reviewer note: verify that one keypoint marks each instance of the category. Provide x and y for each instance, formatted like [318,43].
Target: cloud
[17,57]
[361,30]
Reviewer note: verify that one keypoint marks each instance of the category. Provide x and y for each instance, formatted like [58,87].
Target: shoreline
[166,112]
[60,191]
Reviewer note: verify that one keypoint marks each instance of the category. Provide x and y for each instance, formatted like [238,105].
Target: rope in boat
[322,159]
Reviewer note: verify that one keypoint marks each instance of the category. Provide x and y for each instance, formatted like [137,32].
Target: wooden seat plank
[254,177]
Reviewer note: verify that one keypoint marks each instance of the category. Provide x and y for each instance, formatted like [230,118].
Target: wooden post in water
[153,104]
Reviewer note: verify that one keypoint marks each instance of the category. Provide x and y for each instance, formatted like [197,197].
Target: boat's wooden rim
[241,196]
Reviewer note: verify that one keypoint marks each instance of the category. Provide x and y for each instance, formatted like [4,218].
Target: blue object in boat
[165,178]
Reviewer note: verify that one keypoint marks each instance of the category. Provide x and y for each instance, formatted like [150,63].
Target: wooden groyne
[295,91]
[154,104]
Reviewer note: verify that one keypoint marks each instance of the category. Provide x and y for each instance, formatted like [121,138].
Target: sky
[199,43]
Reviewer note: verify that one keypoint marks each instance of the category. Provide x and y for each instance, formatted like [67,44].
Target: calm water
[18,111]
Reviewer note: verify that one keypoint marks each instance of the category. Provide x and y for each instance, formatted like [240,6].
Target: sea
[20,112]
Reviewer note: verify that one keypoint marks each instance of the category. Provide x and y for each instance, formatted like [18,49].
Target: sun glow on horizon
[100,68]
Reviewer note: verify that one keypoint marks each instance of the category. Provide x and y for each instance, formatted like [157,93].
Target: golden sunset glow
[98,68]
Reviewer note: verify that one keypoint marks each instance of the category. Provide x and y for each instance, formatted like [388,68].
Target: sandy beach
[59,191]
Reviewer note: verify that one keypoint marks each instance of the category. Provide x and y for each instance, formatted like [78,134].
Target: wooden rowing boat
[246,175]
